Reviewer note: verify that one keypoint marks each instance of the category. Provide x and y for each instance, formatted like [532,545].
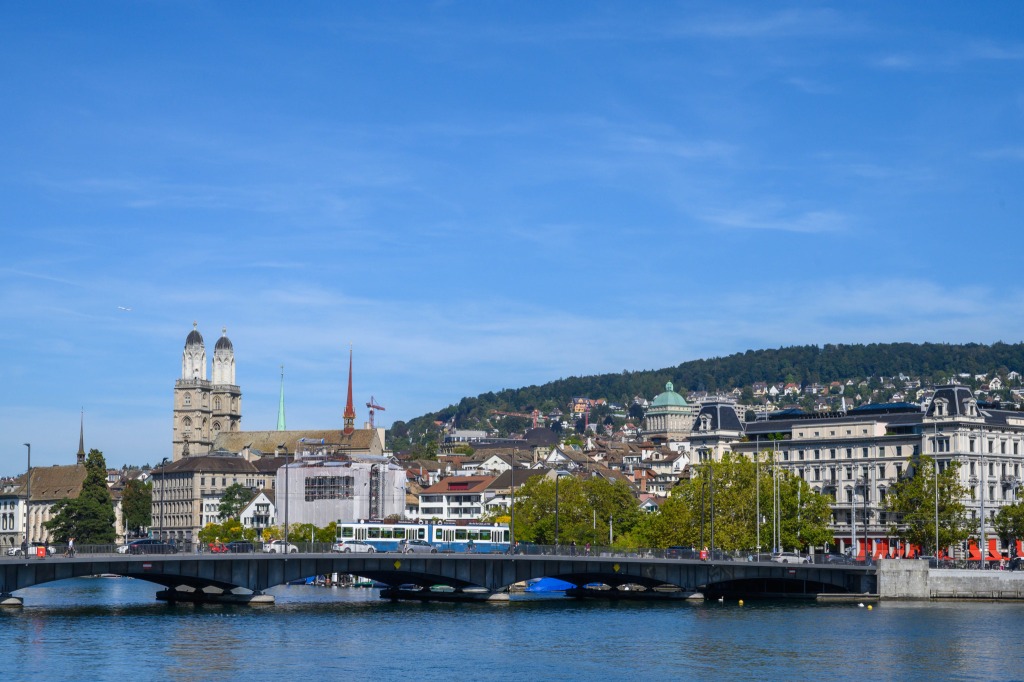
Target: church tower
[192,411]
[225,394]
[349,416]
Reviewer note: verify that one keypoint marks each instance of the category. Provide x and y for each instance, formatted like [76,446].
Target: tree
[1009,523]
[89,518]
[585,509]
[912,501]
[137,506]
[233,500]
[729,488]
[636,412]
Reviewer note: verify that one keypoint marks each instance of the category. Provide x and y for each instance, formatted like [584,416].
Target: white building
[320,491]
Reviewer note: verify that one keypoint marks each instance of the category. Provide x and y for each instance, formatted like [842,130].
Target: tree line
[797,364]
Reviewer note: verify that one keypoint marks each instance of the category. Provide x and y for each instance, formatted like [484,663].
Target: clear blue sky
[481,195]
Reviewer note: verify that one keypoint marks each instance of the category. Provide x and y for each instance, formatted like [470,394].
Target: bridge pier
[456,595]
[213,595]
[8,599]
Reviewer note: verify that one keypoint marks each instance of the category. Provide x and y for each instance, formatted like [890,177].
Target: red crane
[372,405]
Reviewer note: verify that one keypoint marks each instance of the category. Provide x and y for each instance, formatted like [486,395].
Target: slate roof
[267,441]
[211,464]
[57,482]
[723,417]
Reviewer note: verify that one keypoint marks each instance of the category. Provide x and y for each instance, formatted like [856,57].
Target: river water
[113,629]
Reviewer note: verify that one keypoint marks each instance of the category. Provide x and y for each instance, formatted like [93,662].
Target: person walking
[71,548]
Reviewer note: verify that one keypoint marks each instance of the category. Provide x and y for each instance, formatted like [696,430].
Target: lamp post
[556,511]
[711,479]
[163,483]
[512,506]
[984,482]
[286,476]
[28,496]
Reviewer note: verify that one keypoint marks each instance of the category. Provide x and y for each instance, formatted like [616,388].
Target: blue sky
[484,195]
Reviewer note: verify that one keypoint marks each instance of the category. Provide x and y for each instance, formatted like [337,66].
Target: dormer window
[940,408]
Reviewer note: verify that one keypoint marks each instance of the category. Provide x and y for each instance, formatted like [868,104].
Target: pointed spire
[350,412]
[280,406]
[81,439]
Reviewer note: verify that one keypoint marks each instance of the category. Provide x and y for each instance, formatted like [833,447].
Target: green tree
[137,506]
[584,510]
[233,500]
[1009,523]
[911,501]
[89,518]
[729,489]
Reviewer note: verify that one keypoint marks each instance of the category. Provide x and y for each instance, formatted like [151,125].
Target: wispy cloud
[808,222]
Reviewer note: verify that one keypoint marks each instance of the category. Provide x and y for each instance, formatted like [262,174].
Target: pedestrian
[572,548]
[71,547]
[587,549]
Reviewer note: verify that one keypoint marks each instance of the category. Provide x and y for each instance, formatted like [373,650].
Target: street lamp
[512,505]
[284,448]
[556,510]
[163,484]
[28,497]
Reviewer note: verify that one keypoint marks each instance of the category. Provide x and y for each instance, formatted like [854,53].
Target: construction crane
[372,405]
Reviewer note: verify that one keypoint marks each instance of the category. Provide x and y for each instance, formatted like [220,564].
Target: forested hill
[930,362]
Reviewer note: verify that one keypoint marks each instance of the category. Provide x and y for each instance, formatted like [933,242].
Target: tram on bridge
[445,536]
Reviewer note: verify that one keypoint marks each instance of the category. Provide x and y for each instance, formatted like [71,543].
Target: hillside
[932,363]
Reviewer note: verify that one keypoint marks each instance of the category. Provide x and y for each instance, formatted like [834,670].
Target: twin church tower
[204,408]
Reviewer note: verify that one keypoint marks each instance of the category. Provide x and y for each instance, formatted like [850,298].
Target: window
[216,403]
[849,453]
[832,453]
[970,444]
[817,454]
[864,452]
[187,399]
[801,454]
[881,471]
[329,488]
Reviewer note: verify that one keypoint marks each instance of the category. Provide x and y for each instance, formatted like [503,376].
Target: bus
[480,538]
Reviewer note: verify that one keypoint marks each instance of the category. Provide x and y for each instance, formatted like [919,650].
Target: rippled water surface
[112,628]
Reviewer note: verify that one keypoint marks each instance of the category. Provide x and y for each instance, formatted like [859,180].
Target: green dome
[669,398]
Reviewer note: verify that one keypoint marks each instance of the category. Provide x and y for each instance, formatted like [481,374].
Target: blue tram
[447,537]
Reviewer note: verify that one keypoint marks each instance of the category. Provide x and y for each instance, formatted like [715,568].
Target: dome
[224,343]
[194,338]
[669,398]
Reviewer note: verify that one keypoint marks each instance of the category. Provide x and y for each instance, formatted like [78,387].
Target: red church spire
[350,412]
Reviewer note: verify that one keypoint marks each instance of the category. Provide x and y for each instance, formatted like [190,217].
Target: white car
[789,558]
[347,546]
[280,547]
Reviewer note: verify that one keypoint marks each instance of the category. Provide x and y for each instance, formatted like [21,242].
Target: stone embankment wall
[901,579]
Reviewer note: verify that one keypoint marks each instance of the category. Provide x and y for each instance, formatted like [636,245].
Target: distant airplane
[121,307]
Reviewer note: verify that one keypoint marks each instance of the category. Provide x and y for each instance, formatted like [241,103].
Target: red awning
[993,553]
[972,551]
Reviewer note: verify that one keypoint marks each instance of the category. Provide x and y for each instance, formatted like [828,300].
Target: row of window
[187,401]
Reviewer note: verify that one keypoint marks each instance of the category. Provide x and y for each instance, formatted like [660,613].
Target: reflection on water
[107,629]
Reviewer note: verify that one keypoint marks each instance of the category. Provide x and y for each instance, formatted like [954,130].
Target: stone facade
[204,409]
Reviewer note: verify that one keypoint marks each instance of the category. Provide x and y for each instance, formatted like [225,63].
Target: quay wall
[908,580]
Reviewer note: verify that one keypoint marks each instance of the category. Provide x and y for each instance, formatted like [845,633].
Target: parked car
[240,547]
[788,558]
[760,557]
[148,546]
[280,547]
[411,546]
[350,546]
[679,552]
[32,549]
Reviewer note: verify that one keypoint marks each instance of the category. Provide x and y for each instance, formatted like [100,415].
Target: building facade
[855,457]
[669,418]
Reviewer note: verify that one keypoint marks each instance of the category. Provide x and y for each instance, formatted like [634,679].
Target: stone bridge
[245,577]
